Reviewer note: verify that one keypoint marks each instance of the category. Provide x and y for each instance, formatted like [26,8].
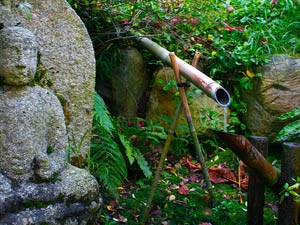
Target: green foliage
[106,161]
[25,8]
[74,154]
[290,132]
[234,37]
[102,115]
[113,145]
[291,190]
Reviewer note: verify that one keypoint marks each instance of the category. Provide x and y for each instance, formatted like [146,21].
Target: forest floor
[181,197]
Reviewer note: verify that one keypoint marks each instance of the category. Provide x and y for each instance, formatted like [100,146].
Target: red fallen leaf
[205,223]
[194,166]
[157,25]
[183,190]
[226,196]
[221,175]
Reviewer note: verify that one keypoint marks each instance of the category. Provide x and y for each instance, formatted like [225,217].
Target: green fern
[106,161]
[128,148]
[133,154]
[101,115]
[290,132]
[143,164]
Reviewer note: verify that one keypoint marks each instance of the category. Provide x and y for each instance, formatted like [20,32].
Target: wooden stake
[290,161]
[256,187]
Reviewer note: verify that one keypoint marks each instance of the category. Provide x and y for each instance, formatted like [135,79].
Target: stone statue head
[18,56]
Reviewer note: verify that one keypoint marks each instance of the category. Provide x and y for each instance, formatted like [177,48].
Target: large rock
[37,185]
[128,82]
[66,59]
[277,92]
[162,105]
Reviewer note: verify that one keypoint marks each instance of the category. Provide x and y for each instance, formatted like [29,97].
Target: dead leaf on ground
[183,190]
[221,175]
[191,165]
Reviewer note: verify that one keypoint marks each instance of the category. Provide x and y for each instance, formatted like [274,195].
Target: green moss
[50,150]
[36,204]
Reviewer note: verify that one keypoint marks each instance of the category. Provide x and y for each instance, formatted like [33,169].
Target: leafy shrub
[234,37]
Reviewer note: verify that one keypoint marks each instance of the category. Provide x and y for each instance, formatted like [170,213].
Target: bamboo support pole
[165,152]
[256,187]
[191,126]
[242,147]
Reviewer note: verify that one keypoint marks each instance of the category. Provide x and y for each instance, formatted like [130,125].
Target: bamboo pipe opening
[222,97]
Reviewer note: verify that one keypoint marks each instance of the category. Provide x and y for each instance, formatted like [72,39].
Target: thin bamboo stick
[192,128]
[165,152]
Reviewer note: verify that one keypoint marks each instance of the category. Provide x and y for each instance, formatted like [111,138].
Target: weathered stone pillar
[66,59]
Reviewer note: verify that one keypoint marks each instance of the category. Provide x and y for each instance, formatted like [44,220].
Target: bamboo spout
[243,148]
[205,83]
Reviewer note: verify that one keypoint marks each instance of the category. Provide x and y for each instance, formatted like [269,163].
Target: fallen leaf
[191,165]
[221,175]
[183,190]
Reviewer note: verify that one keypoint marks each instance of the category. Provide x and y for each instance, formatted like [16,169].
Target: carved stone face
[18,56]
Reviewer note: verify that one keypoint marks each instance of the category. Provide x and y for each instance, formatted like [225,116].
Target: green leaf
[25,7]
[290,132]
[143,164]
[102,115]
[128,148]
[170,84]
[291,114]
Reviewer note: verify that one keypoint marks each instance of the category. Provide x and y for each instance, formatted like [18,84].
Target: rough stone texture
[27,131]
[57,202]
[163,103]
[277,92]
[128,83]
[67,64]
[37,185]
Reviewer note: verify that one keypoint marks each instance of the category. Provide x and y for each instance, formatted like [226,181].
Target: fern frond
[291,114]
[128,148]
[143,164]
[109,165]
[101,115]
[106,161]
[133,154]
[291,132]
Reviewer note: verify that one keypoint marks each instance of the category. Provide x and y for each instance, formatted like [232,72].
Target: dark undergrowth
[181,197]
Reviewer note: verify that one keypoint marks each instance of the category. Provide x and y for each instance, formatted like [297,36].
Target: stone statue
[33,166]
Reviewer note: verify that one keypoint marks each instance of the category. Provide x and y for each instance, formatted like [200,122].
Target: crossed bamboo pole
[183,105]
